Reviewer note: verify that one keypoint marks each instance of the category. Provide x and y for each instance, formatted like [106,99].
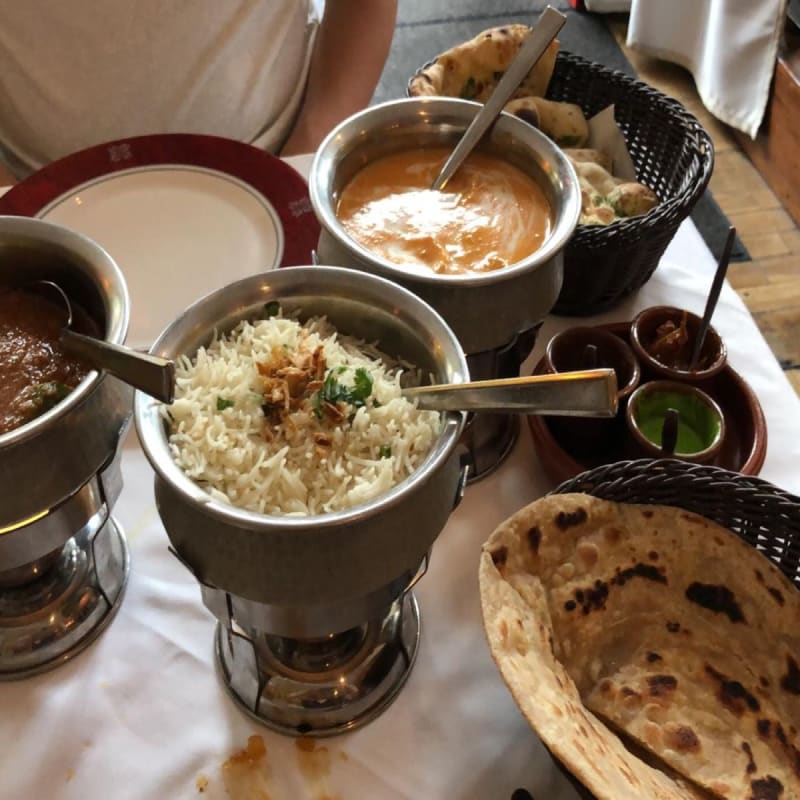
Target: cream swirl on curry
[490,215]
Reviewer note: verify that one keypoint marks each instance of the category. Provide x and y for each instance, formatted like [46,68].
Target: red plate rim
[280,184]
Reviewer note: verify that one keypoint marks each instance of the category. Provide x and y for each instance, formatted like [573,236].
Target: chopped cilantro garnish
[334,392]
[362,387]
[223,403]
[272,309]
[50,394]
[385,451]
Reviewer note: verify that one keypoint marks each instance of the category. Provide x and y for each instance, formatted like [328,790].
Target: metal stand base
[49,620]
[325,686]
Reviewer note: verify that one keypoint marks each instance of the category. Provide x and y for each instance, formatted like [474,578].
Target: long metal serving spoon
[153,375]
[588,393]
[537,41]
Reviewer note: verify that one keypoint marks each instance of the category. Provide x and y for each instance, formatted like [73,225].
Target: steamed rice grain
[224,437]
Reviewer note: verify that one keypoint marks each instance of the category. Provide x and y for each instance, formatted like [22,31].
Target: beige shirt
[75,73]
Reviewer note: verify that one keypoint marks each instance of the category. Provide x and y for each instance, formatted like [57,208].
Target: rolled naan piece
[632,199]
[665,626]
[564,123]
[471,70]
[589,155]
[594,176]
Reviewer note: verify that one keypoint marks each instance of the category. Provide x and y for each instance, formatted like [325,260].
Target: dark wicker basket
[763,515]
[672,154]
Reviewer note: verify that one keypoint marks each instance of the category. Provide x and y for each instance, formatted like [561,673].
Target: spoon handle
[153,375]
[588,393]
[544,31]
[713,296]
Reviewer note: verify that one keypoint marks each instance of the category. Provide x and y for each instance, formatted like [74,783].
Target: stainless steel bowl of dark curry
[60,421]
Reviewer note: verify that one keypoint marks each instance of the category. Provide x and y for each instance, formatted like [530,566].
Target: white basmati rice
[221,438]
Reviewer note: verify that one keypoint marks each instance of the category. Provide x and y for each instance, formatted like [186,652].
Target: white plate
[181,215]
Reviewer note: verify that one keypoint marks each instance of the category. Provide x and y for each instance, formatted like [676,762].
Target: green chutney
[698,425]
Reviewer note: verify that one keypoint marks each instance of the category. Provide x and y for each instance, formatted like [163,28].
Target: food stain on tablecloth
[314,762]
[248,775]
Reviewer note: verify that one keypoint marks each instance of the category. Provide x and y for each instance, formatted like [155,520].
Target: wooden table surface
[770,283]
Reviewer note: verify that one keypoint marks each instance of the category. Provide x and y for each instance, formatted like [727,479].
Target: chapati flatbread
[663,624]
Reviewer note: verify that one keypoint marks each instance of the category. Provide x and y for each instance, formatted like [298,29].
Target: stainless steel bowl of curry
[486,251]
[60,422]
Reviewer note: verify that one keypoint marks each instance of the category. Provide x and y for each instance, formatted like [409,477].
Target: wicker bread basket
[672,154]
[763,515]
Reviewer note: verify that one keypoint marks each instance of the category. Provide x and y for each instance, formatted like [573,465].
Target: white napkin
[729,46]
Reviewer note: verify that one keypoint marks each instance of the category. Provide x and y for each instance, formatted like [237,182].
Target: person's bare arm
[350,50]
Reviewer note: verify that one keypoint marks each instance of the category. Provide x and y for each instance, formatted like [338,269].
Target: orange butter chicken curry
[489,215]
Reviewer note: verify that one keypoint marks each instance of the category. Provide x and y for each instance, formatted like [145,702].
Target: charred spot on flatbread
[777,595]
[534,538]
[719,599]
[499,556]
[661,685]
[652,657]
[751,764]
[769,788]
[682,739]
[790,682]
[591,598]
[732,693]
[646,571]
[569,519]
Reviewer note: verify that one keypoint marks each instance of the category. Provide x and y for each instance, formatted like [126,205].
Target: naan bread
[471,70]
[604,197]
[589,155]
[665,625]
[564,123]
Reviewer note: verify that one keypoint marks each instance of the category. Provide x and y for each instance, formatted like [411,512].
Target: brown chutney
[35,373]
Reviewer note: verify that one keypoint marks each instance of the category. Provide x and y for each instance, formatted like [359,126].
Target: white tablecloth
[142,714]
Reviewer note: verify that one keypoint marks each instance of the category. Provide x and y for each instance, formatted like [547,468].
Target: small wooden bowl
[644,332]
[641,446]
[565,352]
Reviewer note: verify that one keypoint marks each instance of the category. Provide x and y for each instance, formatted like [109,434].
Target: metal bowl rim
[154,441]
[61,235]
[556,241]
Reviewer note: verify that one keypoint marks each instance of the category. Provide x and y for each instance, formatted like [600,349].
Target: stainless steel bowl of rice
[289,470]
